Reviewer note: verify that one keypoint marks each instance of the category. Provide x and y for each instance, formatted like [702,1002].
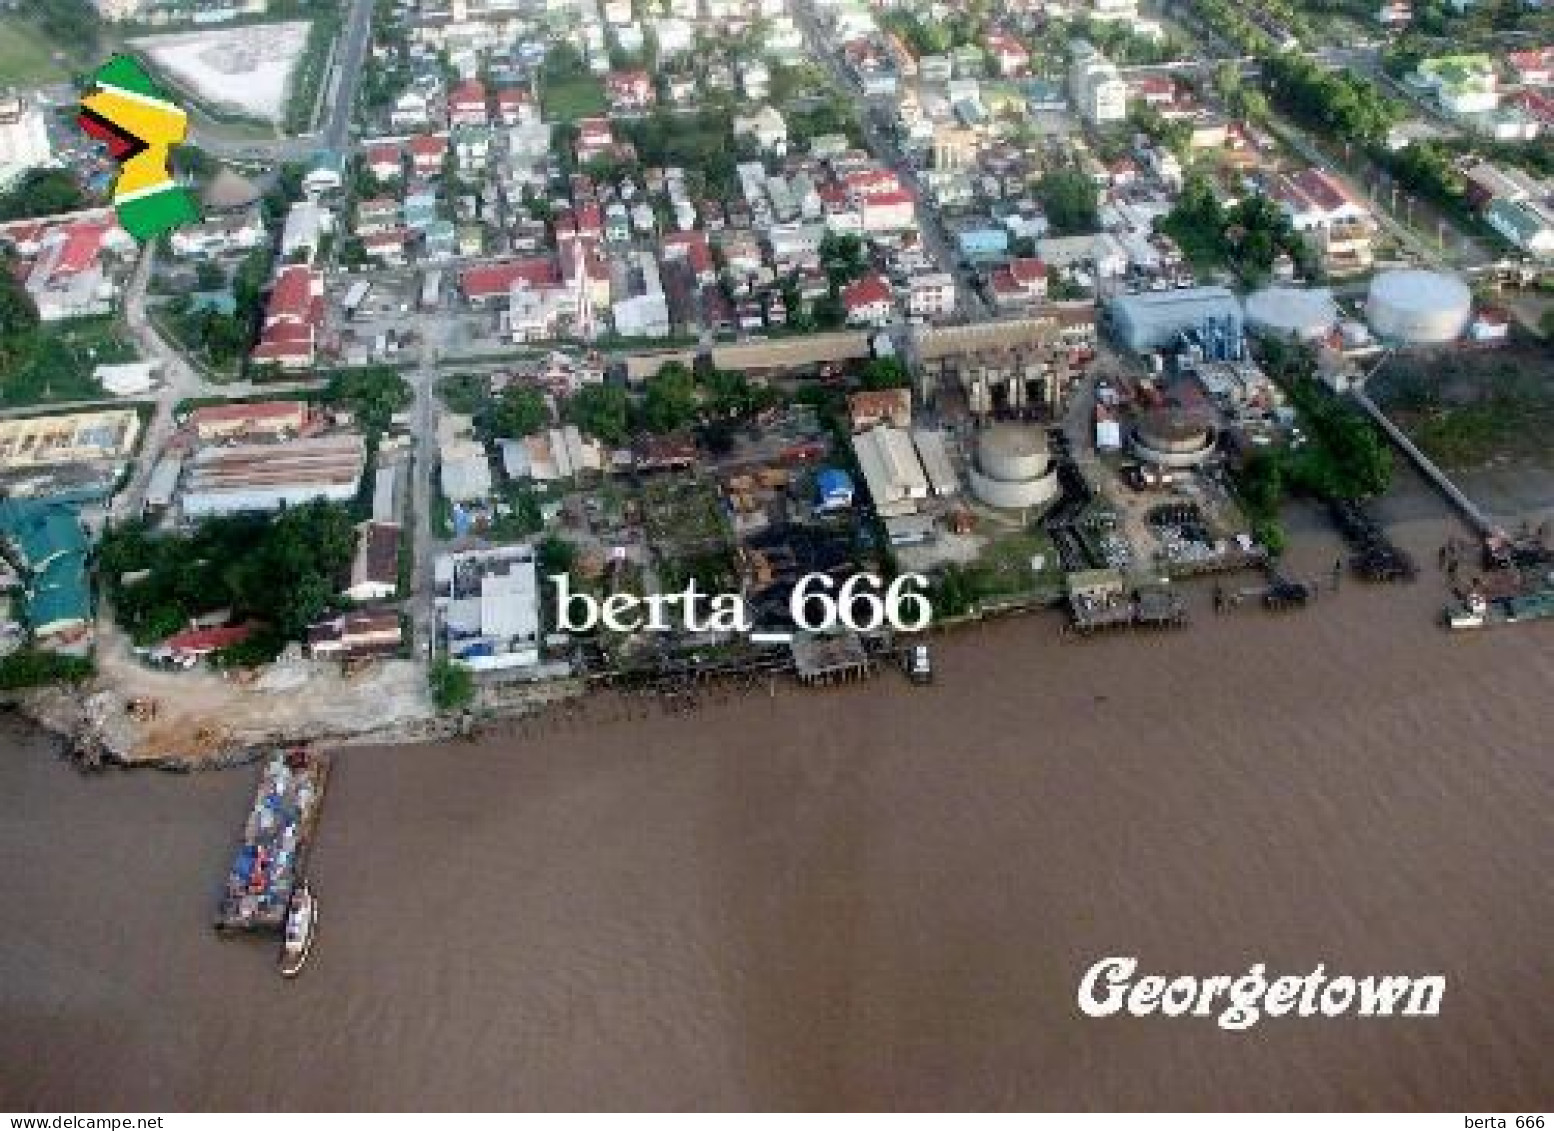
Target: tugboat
[301,923]
[918,664]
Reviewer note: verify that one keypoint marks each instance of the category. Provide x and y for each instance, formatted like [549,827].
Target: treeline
[1339,102]
[714,402]
[1249,236]
[42,192]
[1345,456]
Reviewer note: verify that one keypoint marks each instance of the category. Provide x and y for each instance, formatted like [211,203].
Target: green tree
[208,275]
[670,401]
[601,411]
[519,411]
[42,192]
[18,317]
[1069,199]
[885,373]
[373,395]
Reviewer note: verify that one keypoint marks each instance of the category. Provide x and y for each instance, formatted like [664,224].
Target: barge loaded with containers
[268,870]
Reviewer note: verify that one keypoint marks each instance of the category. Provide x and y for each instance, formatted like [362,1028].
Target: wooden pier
[271,859]
[824,660]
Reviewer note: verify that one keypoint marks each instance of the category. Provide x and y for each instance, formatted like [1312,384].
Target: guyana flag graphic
[139,124]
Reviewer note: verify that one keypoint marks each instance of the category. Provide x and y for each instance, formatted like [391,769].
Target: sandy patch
[248,69]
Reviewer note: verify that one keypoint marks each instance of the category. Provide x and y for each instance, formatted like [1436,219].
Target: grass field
[59,365]
[26,57]
[573,98]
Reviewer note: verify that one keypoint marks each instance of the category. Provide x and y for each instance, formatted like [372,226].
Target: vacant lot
[246,69]
[58,363]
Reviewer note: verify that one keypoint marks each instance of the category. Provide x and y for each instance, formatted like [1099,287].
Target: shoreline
[94,729]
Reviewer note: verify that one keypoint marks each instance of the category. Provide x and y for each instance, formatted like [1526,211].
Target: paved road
[969,302]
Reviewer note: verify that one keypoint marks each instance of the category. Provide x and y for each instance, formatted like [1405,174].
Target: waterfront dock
[271,859]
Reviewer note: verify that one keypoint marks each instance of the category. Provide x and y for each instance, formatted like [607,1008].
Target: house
[1462,84]
[288,335]
[869,302]
[410,111]
[1020,284]
[221,235]
[515,106]
[1532,68]
[378,215]
[239,420]
[931,295]
[873,407]
[767,127]
[629,90]
[427,154]
[1491,324]
[1395,14]
[1528,224]
[325,174]
[375,564]
[892,211]
[979,244]
[194,644]
[1313,198]
[385,161]
[1009,56]
[472,147]
[67,278]
[693,248]
[388,247]
[373,632]
[1487,182]
[468,104]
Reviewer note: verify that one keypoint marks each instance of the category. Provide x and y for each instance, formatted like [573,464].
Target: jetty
[826,659]
[272,856]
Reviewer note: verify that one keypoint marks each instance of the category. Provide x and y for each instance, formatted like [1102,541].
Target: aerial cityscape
[776,554]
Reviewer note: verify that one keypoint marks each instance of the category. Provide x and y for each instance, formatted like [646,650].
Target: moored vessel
[301,925]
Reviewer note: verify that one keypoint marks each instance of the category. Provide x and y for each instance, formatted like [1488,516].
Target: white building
[1097,89]
[931,295]
[24,139]
[488,607]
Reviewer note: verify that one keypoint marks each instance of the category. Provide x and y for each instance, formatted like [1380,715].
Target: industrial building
[488,603]
[1418,307]
[1013,469]
[259,418]
[891,469]
[46,543]
[265,477]
[1154,320]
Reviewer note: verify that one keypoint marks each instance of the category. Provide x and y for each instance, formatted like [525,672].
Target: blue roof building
[50,546]
[833,489]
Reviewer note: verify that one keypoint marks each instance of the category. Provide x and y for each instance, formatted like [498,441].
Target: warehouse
[891,469]
[489,605]
[1156,320]
[75,437]
[266,477]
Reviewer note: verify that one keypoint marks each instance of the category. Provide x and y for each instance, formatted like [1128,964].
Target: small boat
[301,923]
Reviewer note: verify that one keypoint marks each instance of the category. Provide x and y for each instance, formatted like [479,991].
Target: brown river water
[877,897]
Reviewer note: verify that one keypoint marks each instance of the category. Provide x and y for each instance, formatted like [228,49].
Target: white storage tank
[1418,307]
[1286,312]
